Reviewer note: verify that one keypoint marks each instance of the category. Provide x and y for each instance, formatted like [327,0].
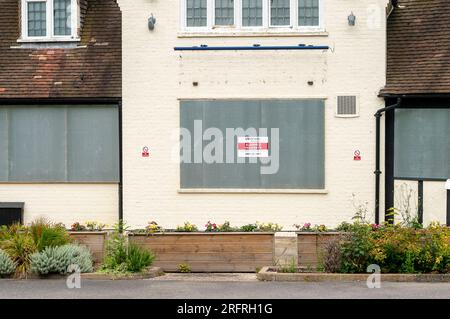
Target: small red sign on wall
[145,152]
[357,155]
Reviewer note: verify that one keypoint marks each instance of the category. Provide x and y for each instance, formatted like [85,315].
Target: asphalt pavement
[221,286]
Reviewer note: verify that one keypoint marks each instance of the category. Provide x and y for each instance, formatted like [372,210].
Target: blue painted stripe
[253,47]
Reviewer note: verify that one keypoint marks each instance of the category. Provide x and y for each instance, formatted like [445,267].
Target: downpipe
[378,172]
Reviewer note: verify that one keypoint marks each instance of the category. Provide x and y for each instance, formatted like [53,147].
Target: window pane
[224,12]
[93,148]
[196,13]
[308,12]
[301,144]
[252,13]
[280,12]
[37,144]
[422,144]
[62,18]
[37,19]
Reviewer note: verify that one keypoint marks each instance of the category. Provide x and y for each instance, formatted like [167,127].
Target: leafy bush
[249,228]
[56,260]
[46,234]
[184,268]
[138,258]
[7,266]
[395,248]
[18,243]
[123,258]
[356,249]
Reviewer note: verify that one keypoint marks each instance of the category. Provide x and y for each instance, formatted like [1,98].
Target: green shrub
[184,268]
[46,234]
[249,228]
[395,248]
[356,248]
[138,258]
[18,243]
[123,258]
[7,266]
[56,260]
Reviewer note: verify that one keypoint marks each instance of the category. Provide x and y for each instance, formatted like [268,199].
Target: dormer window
[49,20]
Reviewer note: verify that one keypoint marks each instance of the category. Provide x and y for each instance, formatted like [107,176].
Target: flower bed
[208,251]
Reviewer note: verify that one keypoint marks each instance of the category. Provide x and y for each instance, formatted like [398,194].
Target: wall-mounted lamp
[151,22]
[351,19]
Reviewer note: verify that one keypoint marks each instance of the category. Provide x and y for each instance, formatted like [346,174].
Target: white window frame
[50,36]
[238,27]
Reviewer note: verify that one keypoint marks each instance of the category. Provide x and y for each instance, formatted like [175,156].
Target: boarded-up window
[59,144]
[422,143]
[295,131]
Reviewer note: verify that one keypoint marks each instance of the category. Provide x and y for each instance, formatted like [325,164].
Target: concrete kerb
[272,274]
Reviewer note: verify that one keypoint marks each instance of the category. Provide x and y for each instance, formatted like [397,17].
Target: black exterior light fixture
[351,19]
[151,22]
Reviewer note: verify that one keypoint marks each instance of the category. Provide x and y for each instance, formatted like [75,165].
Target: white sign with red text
[253,146]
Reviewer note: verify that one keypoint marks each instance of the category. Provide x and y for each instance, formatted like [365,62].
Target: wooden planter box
[95,241]
[209,252]
[311,246]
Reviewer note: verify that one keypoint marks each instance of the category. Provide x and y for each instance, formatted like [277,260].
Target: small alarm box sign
[145,152]
[357,155]
[253,146]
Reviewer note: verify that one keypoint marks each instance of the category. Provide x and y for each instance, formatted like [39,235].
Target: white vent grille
[347,106]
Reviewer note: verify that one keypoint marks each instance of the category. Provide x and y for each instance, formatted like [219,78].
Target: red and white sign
[253,146]
[145,152]
[357,155]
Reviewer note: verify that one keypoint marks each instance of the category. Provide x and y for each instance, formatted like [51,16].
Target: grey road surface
[193,286]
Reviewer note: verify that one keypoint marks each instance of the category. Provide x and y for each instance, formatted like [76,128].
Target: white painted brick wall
[155,76]
[65,203]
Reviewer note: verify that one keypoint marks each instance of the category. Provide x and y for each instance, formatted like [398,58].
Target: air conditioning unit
[347,106]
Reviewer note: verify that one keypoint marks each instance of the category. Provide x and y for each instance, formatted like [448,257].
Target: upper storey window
[204,15]
[49,20]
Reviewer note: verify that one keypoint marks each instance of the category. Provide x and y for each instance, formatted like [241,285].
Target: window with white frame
[201,15]
[50,20]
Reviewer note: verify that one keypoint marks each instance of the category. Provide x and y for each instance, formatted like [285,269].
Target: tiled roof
[418,48]
[92,69]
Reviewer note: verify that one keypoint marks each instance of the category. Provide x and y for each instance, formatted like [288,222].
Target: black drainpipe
[120,169]
[377,172]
